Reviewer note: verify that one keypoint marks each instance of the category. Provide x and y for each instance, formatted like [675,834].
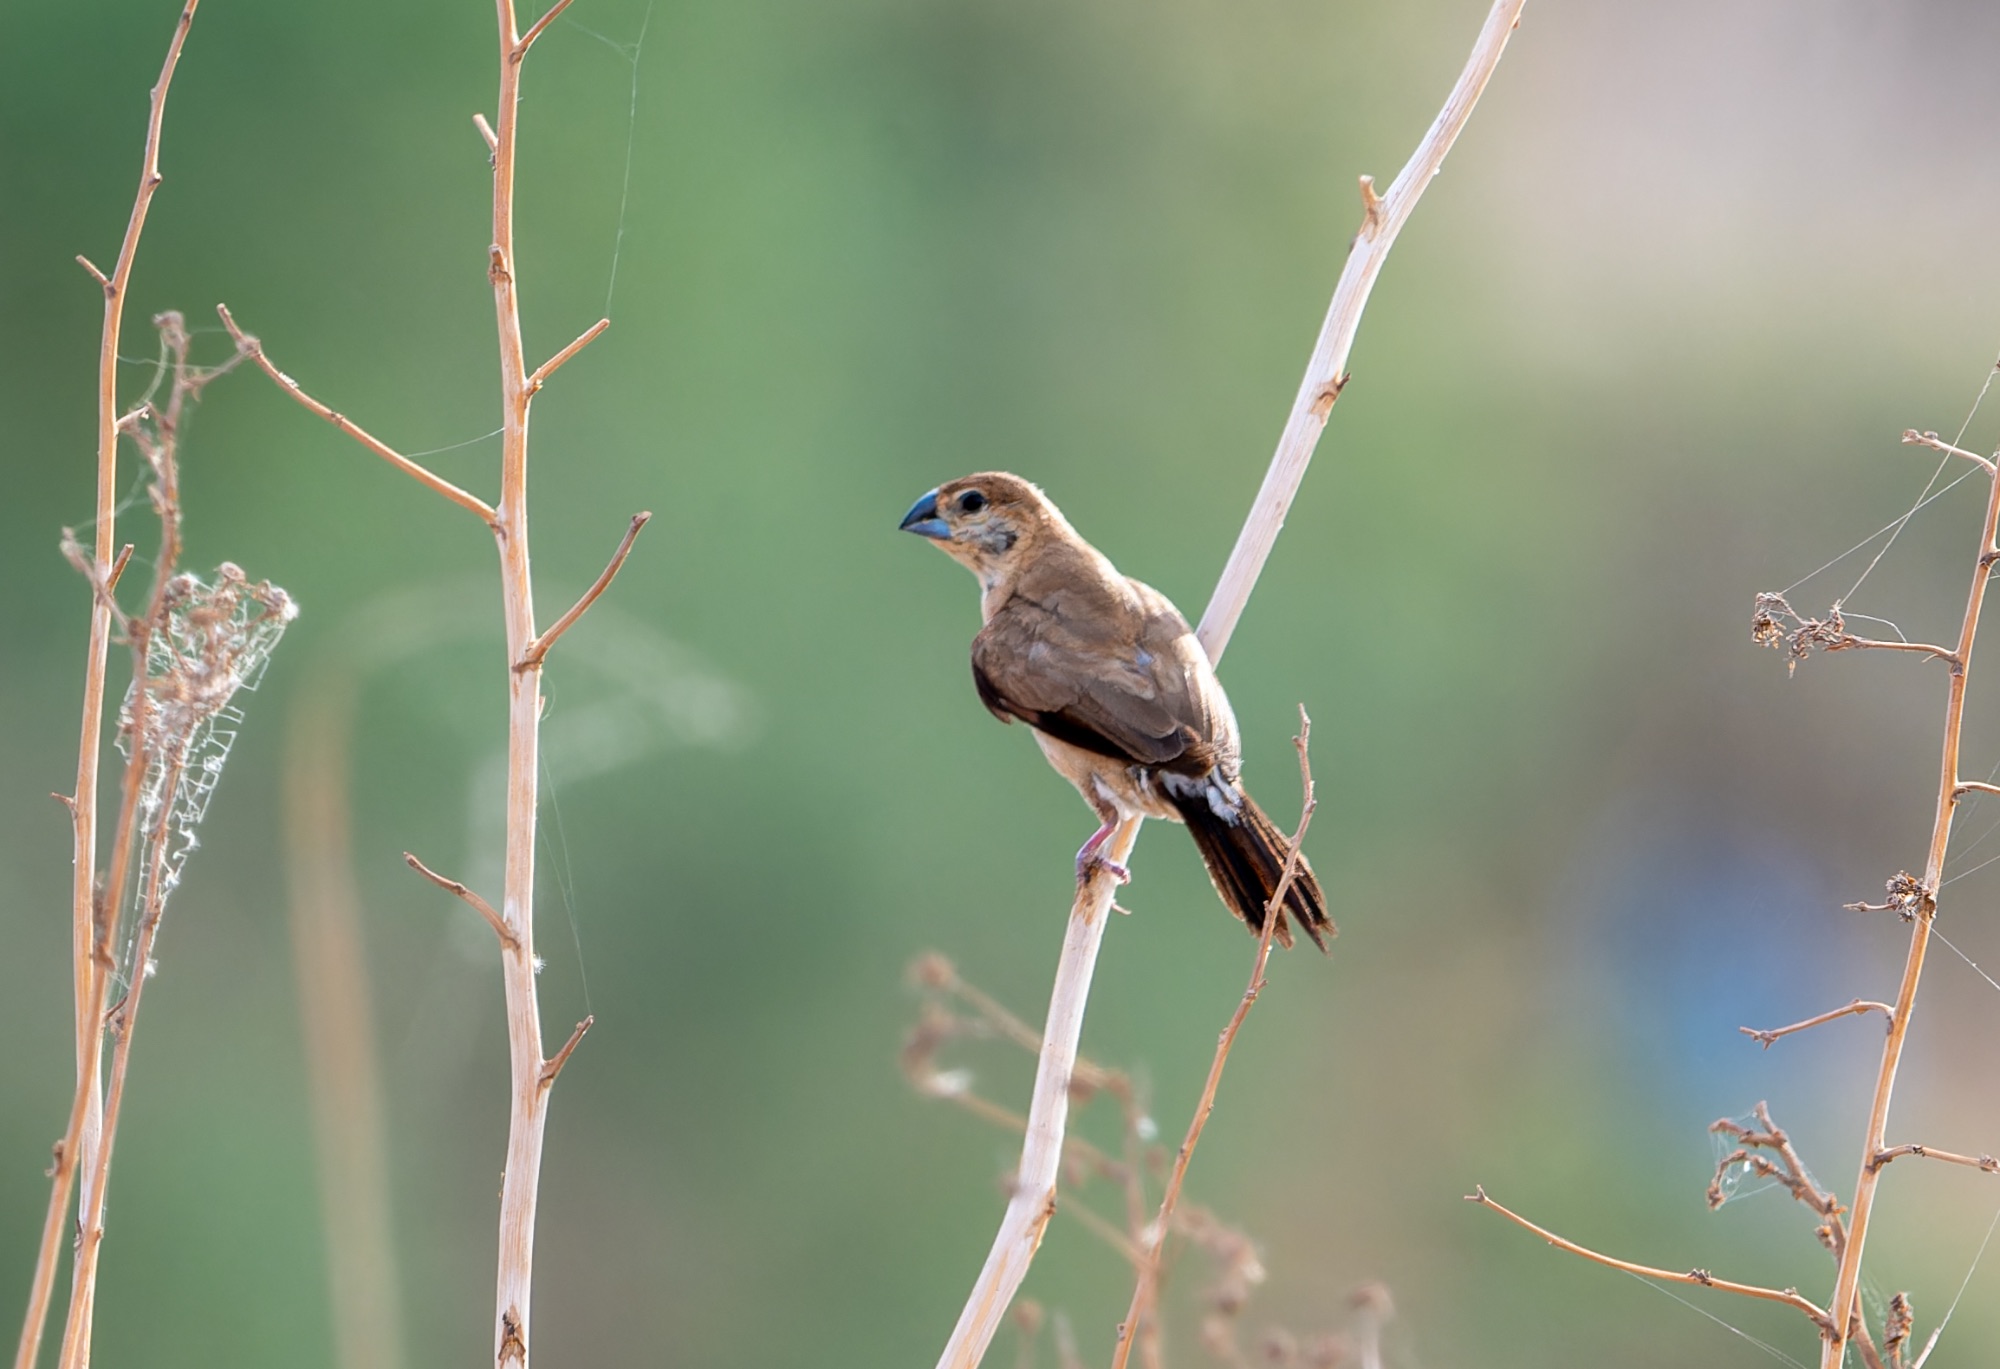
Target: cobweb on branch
[209,642]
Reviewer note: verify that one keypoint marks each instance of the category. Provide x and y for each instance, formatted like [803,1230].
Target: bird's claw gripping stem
[1091,857]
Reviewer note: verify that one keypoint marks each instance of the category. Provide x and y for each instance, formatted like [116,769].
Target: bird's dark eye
[972,501]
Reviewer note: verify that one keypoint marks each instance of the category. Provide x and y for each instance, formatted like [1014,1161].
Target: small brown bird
[1120,695]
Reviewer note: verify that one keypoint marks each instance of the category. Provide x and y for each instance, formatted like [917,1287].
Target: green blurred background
[1644,349]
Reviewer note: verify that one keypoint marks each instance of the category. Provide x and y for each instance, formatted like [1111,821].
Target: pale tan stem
[584,339]
[90,1218]
[1699,1278]
[254,348]
[478,904]
[80,1141]
[1854,1009]
[1977,787]
[1985,1164]
[1326,372]
[1852,643]
[486,132]
[528,1110]
[539,648]
[1034,1198]
[1911,437]
[1146,1290]
[1027,1215]
[1834,1338]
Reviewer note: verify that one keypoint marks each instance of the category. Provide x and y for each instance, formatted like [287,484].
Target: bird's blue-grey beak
[922,519]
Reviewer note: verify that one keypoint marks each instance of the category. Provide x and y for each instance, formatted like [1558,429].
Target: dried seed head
[1896,1328]
[932,970]
[1776,624]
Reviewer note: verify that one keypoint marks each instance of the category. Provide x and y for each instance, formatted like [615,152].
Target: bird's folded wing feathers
[1120,689]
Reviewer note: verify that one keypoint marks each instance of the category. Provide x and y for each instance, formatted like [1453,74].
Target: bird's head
[988,523]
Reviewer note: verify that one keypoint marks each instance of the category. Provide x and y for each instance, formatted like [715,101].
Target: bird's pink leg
[1090,856]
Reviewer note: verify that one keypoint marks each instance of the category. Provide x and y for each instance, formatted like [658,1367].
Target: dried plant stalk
[1844,1231]
[1833,1347]
[1146,1291]
[531,1075]
[77,1149]
[193,648]
[1034,1197]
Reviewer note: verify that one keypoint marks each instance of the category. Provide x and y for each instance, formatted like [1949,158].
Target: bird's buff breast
[1105,782]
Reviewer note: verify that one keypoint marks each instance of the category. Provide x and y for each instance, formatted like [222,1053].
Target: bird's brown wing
[1113,677]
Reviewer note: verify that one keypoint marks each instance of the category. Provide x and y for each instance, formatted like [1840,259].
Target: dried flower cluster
[952,1010]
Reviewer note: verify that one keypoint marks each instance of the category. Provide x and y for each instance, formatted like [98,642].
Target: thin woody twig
[1986,1164]
[1856,1008]
[478,904]
[1027,1215]
[528,1071]
[539,648]
[555,1063]
[1147,1288]
[1922,914]
[118,568]
[1853,643]
[1913,438]
[254,348]
[1977,787]
[78,1149]
[583,340]
[486,132]
[1699,1278]
[535,31]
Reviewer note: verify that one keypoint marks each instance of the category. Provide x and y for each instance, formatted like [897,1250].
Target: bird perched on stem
[1121,697]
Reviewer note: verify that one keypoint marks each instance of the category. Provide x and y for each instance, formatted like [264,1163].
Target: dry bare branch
[1698,1278]
[585,338]
[1913,438]
[1146,1289]
[535,31]
[1921,915]
[1986,1164]
[539,648]
[77,1150]
[1768,627]
[254,348]
[1021,1228]
[478,904]
[1859,1006]
[560,1058]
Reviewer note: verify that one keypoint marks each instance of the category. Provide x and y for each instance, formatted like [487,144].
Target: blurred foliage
[1643,351]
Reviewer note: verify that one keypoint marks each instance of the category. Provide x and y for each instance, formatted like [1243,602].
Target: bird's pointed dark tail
[1245,854]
